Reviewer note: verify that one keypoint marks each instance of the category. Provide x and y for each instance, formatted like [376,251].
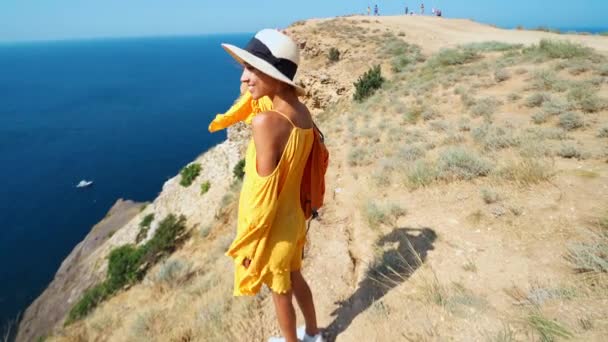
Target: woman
[271,226]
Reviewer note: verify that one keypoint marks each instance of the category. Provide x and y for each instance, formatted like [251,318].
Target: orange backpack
[312,188]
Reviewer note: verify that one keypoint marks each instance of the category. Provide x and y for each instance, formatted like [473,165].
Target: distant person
[433,11]
[406,10]
[369,10]
[422,8]
[438,12]
[376,9]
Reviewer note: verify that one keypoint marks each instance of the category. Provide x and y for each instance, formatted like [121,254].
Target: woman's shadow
[395,267]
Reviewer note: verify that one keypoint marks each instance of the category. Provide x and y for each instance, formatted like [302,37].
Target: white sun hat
[272,53]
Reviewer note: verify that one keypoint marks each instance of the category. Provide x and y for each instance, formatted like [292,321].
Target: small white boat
[84,184]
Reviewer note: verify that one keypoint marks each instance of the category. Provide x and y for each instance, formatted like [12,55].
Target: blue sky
[68,19]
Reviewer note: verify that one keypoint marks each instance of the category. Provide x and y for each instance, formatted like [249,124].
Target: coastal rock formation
[74,275]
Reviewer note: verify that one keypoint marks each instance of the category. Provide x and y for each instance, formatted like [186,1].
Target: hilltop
[467,198]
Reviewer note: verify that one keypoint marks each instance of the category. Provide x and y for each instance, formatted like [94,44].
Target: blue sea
[126,113]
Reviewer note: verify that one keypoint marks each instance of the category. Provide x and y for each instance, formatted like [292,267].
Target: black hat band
[259,49]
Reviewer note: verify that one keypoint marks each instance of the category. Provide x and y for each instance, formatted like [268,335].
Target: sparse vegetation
[570,121]
[382,214]
[189,174]
[489,196]
[368,83]
[501,75]
[494,138]
[450,57]
[485,107]
[333,55]
[421,173]
[537,99]
[172,272]
[492,46]
[590,255]
[526,171]
[460,163]
[547,329]
[540,118]
[569,151]
[550,49]
[127,264]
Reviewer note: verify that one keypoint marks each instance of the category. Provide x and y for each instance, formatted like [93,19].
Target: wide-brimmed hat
[272,53]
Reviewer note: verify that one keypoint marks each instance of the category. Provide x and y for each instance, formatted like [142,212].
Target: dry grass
[399,134]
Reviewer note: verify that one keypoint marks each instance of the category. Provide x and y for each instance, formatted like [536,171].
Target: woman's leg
[305,302]
[286,315]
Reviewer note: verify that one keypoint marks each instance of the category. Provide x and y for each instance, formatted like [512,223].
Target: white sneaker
[304,337]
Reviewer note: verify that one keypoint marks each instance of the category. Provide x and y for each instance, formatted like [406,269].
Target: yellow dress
[271,229]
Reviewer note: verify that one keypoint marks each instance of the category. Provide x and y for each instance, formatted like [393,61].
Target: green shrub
[548,329]
[459,163]
[485,107]
[430,114]
[358,156]
[558,49]
[537,99]
[411,153]
[166,236]
[547,80]
[556,106]
[145,222]
[189,174]
[172,272]
[333,55]
[492,46]
[569,151]
[591,255]
[570,121]
[382,214]
[205,187]
[368,83]
[412,115]
[513,97]
[501,75]
[489,196]
[540,118]
[527,171]
[89,300]
[239,170]
[123,266]
[421,174]
[144,226]
[592,104]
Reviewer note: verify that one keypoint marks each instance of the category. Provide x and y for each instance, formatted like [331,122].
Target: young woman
[271,226]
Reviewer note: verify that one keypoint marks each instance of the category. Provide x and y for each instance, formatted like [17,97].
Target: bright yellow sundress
[271,229]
